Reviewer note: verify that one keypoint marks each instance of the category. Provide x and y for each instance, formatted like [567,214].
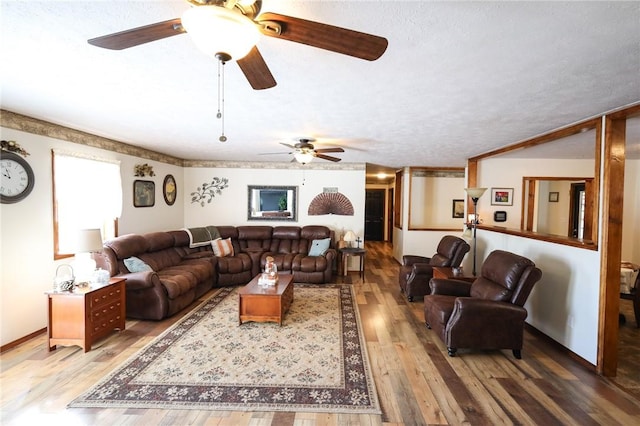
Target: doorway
[577,210]
[374,215]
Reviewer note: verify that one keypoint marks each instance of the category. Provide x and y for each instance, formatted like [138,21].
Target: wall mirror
[272,203]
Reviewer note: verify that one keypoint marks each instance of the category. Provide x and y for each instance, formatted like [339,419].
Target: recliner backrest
[450,252]
[506,277]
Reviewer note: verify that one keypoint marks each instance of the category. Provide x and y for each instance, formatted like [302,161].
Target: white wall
[432,201]
[230,207]
[564,303]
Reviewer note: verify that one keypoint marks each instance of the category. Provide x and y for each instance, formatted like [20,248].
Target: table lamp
[88,241]
[350,237]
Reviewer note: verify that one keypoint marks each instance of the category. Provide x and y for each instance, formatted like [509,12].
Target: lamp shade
[89,240]
[303,157]
[475,192]
[349,236]
[216,29]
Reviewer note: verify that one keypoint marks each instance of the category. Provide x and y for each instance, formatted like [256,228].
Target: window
[87,193]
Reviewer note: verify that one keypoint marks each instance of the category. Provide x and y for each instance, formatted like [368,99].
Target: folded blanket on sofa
[202,236]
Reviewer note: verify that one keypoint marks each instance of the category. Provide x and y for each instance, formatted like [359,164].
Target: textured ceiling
[458,78]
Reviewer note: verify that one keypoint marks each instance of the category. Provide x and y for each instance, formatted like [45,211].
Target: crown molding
[32,125]
[27,124]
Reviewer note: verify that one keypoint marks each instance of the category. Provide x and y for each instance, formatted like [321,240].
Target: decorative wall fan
[230,29]
[304,151]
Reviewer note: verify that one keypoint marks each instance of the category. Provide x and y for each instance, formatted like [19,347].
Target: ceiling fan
[304,151]
[230,29]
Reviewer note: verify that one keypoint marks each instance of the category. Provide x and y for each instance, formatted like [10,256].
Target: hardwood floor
[417,382]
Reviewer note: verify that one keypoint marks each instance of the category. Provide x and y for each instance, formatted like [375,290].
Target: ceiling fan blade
[275,153]
[255,69]
[288,145]
[136,36]
[324,36]
[328,157]
[337,149]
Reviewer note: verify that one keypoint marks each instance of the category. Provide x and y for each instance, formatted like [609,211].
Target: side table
[447,273]
[352,251]
[84,315]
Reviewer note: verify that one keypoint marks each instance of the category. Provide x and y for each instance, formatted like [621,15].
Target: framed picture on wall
[457,210]
[144,193]
[169,190]
[554,197]
[501,196]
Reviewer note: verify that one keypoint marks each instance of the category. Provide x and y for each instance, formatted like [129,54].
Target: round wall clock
[169,190]
[17,178]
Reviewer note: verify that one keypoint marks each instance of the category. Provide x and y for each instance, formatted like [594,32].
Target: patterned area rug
[315,362]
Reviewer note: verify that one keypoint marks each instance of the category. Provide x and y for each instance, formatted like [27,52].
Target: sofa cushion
[319,247]
[222,248]
[135,264]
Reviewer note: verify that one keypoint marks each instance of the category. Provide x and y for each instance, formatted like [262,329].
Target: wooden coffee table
[265,304]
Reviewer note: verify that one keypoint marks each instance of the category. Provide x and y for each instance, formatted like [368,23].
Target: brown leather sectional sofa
[178,274]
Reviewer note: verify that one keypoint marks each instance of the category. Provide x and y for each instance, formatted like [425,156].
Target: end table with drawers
[84,315]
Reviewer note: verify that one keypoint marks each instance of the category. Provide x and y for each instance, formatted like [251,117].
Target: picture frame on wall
[457,209]
[554,197]
[144,193]
[501,196]
[169,190]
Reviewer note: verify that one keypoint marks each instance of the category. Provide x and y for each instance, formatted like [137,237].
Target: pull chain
[221,62]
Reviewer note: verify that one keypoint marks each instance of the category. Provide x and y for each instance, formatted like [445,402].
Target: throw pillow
[319,247]
[222,248]
[135,264]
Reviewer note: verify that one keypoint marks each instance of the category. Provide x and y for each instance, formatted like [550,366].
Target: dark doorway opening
[374,215]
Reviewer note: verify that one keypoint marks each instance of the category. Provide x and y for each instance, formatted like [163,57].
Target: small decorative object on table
[64,279]
[270,275]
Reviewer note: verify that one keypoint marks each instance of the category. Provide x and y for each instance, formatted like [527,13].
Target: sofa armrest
[408,260]
[450,287]
[140,280]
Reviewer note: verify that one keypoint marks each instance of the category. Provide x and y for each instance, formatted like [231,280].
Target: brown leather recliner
[485,314]
[416,271]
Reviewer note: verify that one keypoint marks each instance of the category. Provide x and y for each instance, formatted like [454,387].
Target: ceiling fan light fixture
[216,29]
[303,157]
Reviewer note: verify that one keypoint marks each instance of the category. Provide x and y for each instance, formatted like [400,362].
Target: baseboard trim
[557,345]
[21,340]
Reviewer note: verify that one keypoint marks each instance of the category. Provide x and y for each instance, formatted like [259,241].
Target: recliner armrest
[486,314]
[450,287]
[422,269]
[408,260]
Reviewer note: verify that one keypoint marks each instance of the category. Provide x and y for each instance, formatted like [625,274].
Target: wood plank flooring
[417,382]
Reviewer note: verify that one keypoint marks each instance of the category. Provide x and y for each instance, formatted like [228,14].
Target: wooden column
[610,253]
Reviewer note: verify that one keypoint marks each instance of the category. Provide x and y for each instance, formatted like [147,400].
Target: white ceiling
[458,78]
